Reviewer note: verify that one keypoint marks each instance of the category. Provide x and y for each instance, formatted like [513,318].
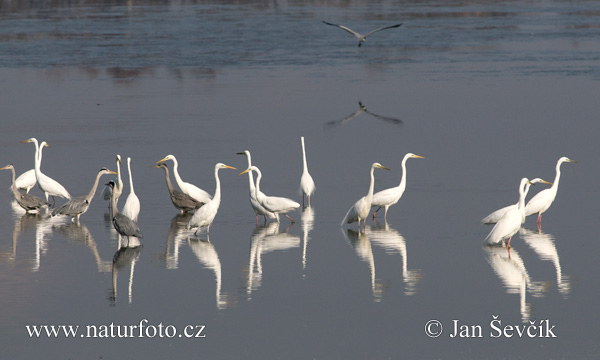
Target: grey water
[487,91]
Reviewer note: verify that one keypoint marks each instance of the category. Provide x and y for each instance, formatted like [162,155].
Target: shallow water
[487,92]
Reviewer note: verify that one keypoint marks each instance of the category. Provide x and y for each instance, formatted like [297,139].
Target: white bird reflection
[207,255]
[394,243]
[308,219]
[362,109]
[43,231]
[544,246]
[266,239]
[509,267]
[125,257]
[23,223]
[178,235]
[80,234]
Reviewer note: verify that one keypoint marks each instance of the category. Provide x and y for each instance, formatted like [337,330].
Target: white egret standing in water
[498,214]
[542,200]
[511,222]
[388,197]
[131,209]
[307,184]
[49,186]
[204,216]
[276,204]
[258,208]
[190,189]
[360,210]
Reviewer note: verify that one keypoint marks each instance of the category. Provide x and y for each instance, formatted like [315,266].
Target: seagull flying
[362,38]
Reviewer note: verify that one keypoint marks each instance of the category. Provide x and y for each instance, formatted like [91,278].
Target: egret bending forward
[388,197]
[511,222]
[498,214]
[362,38]
[542,200]
[206,214]
[275,204]
[360,210]
[307,184]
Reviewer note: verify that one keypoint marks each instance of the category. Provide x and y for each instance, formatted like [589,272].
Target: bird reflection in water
[362,109]
[23,223]
[125,257]
[178,235]
[266,239]
[80,234]
[510,268]
[307,216]
[207,255]
[544,246]
[393,243]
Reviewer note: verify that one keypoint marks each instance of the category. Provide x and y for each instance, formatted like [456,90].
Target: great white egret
[511,222]
[542,200]
[122,224]
[190,189]
[307,184]
[258,208]
[27,180]
[117,187]
[498,214]
[131,209]
[29,202]
[362,38]
[275,204]
[182,201]
[204,216]
[360,210]
[80,204]
[388,197]
[49,186]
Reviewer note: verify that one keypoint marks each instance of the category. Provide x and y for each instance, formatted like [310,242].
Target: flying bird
[362,38]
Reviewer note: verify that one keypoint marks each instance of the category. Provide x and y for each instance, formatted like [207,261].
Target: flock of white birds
[507,221]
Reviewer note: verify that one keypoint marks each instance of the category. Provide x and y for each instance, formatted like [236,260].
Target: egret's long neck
[176,173]
[119,184]
[250,176]
[305,167]
[113,201]
[258,177]
[403,179]
[554,186]
[522,193]
[130,176]
[217,196]
[90,195]
[38,158]
[372,185]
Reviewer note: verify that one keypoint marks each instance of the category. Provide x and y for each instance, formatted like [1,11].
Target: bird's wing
[385,118]
[386,197]
[496,215]
[537,202]
[358,35]
[381,28]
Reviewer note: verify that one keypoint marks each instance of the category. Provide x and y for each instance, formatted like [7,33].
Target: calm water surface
[487,92]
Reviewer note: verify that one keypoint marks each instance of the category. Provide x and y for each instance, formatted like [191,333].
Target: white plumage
[49,186]
[498,214]
[205,215]
[542,200]
[388,197]
[131,209]
[511,222]
[307,184]
[258,208]
[275,204]
[187,188]
[360,210]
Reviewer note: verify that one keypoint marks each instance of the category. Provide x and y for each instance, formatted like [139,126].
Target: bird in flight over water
[362,38]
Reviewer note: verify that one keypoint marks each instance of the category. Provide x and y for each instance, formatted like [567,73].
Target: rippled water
[487,92]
